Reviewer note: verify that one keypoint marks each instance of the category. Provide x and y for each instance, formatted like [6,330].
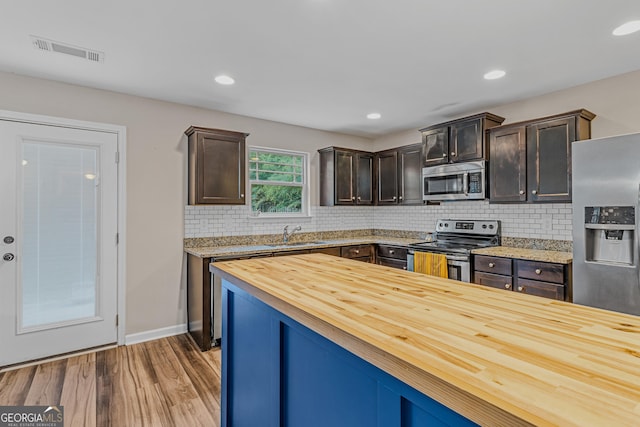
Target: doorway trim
[121,132]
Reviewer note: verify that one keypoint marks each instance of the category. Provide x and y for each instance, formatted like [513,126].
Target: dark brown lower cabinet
[203,289]
[544,279]
[358,252]
[392,256]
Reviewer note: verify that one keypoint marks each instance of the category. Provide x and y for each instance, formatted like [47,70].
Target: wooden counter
[495,358]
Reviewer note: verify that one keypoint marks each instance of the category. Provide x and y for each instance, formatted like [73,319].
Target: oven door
[458,266]
[460,181]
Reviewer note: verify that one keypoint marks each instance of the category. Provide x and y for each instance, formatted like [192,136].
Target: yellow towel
[432,264]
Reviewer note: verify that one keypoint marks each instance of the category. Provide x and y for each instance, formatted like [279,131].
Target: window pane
[276,198]
[60,220]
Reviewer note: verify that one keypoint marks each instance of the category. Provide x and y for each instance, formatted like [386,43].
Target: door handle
[8,257]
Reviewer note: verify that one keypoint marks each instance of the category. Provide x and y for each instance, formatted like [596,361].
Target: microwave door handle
[465,183]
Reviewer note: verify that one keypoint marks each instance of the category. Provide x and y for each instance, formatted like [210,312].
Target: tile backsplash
[532,221]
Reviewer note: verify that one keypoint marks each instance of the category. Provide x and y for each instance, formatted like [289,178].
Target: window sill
[278,217]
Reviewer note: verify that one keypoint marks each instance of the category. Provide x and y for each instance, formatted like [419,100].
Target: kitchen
[157,178]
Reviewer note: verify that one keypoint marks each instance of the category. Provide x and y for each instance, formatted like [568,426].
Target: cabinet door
[493,280]
[364,181]
[391,262]
[549,160]
[541,289]
[387,174]
[410,175]
[435,146]
[344,178]
[466,141]
[216,166]
[508,165]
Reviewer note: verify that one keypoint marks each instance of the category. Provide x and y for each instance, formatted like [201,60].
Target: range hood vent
[67,49]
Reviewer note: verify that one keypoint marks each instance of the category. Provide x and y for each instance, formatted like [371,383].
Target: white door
[58,249]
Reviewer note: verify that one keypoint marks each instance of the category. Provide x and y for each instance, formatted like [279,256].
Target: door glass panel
[59,215]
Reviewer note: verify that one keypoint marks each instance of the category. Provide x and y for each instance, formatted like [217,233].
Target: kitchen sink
[286,245]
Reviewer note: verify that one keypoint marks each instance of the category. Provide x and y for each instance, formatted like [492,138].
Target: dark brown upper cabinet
[346,177]
[458,140]
[398,173]
[531,160]
[216,166]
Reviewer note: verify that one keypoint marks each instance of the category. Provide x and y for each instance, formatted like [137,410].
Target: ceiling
[325,64]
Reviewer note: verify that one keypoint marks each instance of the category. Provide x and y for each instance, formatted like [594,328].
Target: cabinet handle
[520,288]
[521,192]
[534,192]
[538,271]
[491,265]
[353,197]
[242,195]
[444,154]
[400,197]
[394,197]
[507,285]
[392,252]
[357,251]
[359,198]
[453,154]
[404,267]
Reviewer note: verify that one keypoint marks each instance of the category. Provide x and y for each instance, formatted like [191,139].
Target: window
[278,180]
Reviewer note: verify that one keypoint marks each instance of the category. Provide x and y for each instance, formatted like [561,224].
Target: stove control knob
[446,224]
[490,227]
[440,225]
[484,225]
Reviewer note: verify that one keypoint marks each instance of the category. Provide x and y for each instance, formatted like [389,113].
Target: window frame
[305,202]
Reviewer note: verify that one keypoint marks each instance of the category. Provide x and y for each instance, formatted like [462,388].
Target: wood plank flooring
[166,382]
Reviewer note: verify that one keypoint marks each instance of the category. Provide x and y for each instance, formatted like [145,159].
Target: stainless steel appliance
[456,239]
[454,181]
[606,186]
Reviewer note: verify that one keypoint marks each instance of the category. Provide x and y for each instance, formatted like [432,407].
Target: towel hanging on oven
[430,263]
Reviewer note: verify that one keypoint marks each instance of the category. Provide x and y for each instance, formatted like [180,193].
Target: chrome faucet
[286,234]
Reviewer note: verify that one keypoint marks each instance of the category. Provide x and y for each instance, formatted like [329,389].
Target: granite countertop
[558,257]
[232,250]
[498,358]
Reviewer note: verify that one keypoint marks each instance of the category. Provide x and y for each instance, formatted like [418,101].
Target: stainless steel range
[456,239]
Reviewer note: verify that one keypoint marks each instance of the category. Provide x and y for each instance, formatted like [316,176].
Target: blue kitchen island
[315,340]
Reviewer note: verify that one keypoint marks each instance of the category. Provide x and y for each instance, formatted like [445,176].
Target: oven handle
[465,183]
[461,258]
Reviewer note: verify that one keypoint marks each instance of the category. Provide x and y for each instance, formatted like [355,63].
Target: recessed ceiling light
[224,80]
[494,74]
[374,116]
[627,28]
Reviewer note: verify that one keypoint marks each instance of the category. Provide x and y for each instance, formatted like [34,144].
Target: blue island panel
[276,372]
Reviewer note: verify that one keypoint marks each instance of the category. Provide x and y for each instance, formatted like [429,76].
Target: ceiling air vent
[67,49]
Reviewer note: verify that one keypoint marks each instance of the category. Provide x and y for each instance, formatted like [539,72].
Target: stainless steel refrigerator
[606,206]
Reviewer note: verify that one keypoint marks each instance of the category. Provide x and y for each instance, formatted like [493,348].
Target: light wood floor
[167,382]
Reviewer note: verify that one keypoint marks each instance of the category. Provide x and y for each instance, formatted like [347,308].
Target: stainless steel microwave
[454,181]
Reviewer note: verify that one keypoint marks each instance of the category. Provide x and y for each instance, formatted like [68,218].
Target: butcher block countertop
[557,257]
[498,358]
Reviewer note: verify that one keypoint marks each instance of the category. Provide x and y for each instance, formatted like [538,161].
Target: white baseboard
[155,334]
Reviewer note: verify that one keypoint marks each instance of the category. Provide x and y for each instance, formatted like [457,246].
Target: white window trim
[306,203]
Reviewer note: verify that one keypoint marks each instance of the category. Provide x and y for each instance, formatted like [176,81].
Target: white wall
[156,168]
[156,174]
[616,103]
